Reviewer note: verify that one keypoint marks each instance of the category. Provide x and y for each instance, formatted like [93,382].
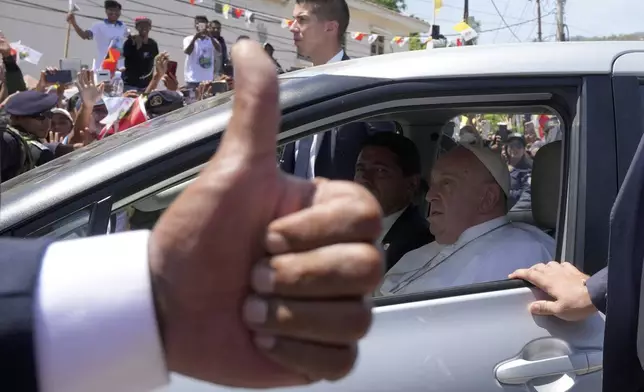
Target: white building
[41,25]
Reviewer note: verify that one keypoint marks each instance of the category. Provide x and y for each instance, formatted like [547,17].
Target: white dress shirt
[95,323]
[387,222]
[317,138]
[483,253]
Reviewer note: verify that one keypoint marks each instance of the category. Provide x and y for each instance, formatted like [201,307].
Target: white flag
[73,7]
[116,106]
[373,38]
[26,53]
[249,17]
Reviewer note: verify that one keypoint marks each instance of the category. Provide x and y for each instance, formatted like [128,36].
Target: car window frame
[287,136]
[342,109]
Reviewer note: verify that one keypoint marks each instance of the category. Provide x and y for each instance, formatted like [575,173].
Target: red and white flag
[135,115]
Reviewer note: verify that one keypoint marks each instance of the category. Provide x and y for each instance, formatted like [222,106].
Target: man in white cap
[475,241]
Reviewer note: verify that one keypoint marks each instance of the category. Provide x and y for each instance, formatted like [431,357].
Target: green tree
[394,5]
[414,42]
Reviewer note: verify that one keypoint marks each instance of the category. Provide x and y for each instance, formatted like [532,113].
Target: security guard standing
[23,140]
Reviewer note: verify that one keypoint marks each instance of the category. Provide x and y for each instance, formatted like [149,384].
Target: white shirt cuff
[95,324]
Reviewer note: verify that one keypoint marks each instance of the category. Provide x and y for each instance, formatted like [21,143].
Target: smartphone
[504,132]
[62,77]
[73,65]
[102,76]
[172,68]
[218,87]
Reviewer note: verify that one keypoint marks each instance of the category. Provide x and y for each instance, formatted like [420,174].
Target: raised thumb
[252,131]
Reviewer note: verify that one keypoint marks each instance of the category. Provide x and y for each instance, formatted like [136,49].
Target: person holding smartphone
[139,52]
[203,54]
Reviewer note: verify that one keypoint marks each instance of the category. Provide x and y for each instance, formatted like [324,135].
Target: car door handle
[520,371]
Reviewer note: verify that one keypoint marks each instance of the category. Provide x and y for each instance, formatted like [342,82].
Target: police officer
[163,102]
[23,140]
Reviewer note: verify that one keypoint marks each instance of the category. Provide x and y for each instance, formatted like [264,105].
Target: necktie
[303,160]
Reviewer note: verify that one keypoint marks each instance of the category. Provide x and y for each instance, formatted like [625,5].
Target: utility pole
[466,11]
[560,20]
[539,32]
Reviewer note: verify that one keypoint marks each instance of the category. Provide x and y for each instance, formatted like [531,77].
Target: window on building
[378,46]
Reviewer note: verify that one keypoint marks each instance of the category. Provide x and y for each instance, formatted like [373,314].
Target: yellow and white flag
[466,31]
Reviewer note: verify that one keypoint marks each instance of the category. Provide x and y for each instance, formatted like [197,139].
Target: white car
[473,338]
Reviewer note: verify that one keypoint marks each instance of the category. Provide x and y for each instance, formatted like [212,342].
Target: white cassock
[484,253]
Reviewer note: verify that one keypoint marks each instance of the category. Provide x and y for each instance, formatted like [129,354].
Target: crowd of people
[53,118]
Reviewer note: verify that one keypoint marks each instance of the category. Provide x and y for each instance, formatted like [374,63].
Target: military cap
[164,101]
[31,103]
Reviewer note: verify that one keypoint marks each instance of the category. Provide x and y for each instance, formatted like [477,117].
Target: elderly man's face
[459,193]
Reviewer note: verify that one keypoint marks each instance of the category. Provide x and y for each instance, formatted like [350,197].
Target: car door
[482,337]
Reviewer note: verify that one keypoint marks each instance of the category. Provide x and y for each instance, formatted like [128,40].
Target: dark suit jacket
[20,262]
[622,369]
[409,232]
[597,288]
[340,163]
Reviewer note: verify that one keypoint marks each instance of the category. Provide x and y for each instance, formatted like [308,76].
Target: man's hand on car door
[565,284]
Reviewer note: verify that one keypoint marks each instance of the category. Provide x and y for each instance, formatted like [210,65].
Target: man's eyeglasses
[42,116]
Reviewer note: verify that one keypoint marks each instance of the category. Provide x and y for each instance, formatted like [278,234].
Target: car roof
[544,58]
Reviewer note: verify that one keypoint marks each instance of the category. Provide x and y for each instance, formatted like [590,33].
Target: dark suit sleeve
[20,262]
[597,288]
[14,77]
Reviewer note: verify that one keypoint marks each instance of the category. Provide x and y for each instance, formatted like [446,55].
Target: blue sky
[583,17]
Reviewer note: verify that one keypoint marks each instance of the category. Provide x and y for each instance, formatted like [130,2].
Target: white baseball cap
[494,164]
[63,112]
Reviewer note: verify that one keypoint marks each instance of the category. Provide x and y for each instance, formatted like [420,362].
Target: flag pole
[433,16]
[71,9]
[69,31]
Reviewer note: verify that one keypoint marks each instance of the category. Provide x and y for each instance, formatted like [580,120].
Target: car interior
[429,129]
